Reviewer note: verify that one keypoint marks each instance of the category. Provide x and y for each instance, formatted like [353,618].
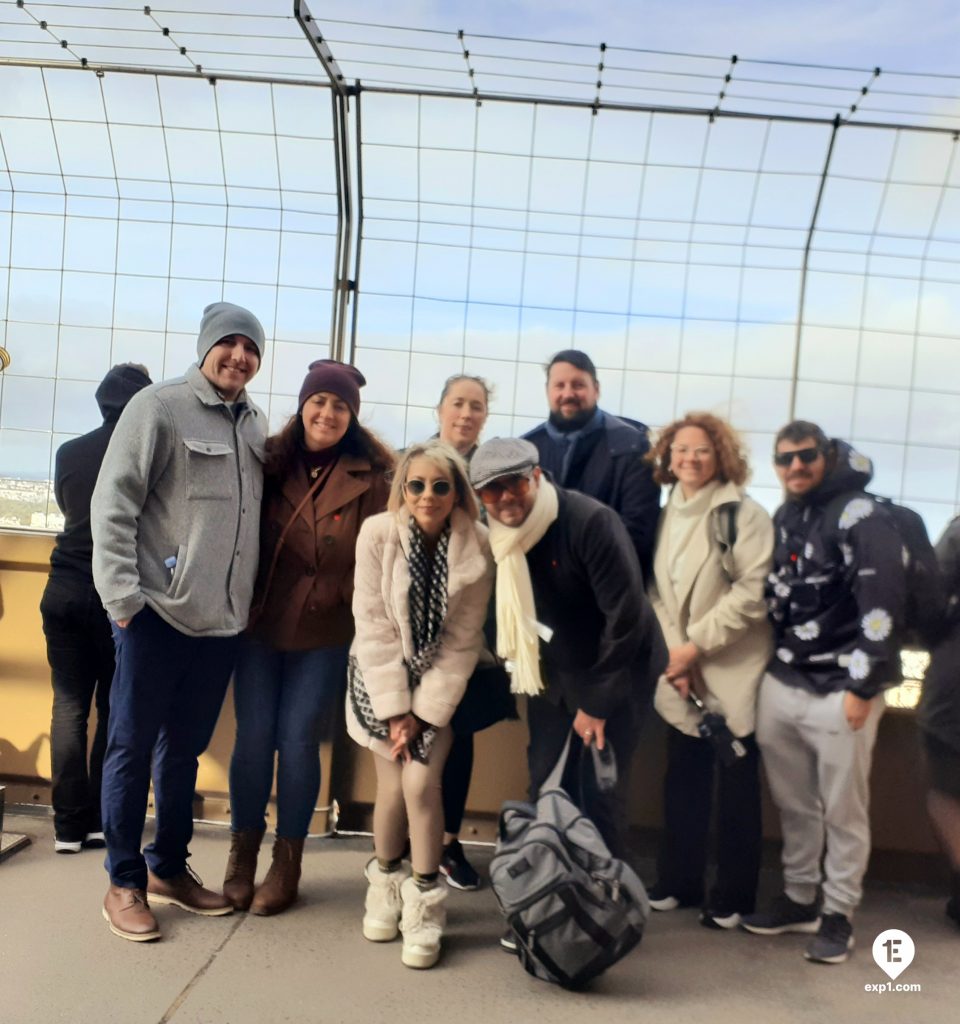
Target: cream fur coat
[381,609]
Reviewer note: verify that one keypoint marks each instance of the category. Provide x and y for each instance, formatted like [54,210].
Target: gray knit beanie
[220,320]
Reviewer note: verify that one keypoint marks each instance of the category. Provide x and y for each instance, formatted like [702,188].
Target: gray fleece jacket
[176,511]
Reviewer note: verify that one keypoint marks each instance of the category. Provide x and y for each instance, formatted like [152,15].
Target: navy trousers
[166,696]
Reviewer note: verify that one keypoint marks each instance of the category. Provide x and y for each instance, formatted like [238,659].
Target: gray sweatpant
[818,770]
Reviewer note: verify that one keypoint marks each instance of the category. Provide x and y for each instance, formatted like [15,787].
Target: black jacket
[75,475]
[609,465]
[939,709]
[606,647]
[836,593]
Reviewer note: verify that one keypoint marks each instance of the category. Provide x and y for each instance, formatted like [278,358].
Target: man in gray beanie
[175,522]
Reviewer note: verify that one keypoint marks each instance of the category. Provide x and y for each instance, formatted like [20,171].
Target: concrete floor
[59,962]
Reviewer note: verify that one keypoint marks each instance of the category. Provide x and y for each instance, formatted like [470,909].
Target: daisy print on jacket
[859,667]
[807,631]
[877,625]
[857,509]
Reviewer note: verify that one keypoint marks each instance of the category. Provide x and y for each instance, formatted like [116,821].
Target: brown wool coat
[308,603]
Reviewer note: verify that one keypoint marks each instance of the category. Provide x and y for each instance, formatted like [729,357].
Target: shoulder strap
[725,525]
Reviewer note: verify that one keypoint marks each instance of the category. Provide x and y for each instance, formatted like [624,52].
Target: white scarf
[518,636]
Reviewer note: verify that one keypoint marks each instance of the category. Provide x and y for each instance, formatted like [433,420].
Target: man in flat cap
[573,622]
[175,517]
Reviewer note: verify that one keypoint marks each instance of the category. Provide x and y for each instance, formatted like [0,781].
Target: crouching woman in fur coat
[423,578]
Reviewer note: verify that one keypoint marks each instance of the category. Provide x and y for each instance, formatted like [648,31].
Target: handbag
[486,701]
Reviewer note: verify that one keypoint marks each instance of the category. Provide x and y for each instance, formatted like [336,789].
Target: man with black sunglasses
[835,598]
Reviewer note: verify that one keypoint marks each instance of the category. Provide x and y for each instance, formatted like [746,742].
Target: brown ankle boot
[242,867]
[279,889]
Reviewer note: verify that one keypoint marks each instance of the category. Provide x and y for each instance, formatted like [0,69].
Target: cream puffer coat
[718,603]
[381,608]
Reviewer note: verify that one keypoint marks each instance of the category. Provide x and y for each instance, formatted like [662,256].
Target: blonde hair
[444,457]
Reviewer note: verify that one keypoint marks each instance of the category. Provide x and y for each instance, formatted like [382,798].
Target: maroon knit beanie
[340,379]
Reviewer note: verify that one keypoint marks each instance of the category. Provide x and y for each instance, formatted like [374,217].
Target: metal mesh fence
[753,237]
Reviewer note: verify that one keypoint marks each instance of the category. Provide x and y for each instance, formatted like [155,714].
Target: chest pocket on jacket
[211,470]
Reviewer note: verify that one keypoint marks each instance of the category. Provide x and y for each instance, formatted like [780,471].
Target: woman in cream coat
[421,587]
[713,552]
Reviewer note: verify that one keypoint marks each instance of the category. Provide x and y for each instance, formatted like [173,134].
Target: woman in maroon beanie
[324,475]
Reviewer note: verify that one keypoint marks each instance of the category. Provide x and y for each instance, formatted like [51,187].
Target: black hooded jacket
[77,466]
[837,589]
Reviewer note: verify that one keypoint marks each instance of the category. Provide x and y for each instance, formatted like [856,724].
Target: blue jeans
[167,692]
[286,702]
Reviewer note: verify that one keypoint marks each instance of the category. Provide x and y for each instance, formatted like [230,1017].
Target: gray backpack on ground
[573,908]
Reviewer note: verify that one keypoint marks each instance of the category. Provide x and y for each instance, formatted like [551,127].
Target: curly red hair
[732,464]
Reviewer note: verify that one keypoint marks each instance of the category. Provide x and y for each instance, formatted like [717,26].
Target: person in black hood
[836,601]
[77,631]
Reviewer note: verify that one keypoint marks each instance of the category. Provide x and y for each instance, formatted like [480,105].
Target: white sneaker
[383,905]
[424,918]
[94,841]
[63,846]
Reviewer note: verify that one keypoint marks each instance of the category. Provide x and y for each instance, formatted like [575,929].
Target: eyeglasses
[805,455]
[682,451]
[441,488]
[492,492]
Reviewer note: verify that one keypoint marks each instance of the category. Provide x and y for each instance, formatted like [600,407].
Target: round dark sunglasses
[805,455]
[441,488]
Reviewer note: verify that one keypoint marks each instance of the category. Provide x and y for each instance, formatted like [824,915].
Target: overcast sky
[914,36]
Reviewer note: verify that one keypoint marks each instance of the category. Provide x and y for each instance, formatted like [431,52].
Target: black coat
[606,647]
[75,475]
[609,465]
[939,709]
[836,593]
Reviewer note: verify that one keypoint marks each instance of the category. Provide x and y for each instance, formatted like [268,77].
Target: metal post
[341,142]
[356,263]
[795,373]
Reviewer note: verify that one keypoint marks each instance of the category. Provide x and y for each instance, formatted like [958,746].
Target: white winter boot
[424,918]
[383,904]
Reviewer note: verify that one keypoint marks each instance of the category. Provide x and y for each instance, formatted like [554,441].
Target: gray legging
[409,802]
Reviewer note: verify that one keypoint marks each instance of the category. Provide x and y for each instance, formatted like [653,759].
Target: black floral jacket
[836,592]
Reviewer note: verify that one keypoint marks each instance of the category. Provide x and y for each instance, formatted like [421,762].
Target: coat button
[329,539]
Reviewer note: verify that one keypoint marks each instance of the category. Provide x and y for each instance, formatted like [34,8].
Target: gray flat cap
[503,456]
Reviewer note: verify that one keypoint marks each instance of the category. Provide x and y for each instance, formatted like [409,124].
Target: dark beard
[567,424]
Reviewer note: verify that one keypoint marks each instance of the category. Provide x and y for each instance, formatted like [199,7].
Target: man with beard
[836,600]
[586,449]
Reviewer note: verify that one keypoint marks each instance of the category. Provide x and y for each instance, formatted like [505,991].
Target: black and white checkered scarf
[428,610]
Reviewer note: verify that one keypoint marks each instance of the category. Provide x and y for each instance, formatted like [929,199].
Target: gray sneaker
[833,942]
[783,916]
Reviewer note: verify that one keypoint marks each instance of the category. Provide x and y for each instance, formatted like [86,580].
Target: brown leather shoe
[242,867]
[128,914]
[187,892]
[279,889]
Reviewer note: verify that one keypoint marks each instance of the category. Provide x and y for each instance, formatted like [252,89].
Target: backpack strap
[604,767]
[723,520]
